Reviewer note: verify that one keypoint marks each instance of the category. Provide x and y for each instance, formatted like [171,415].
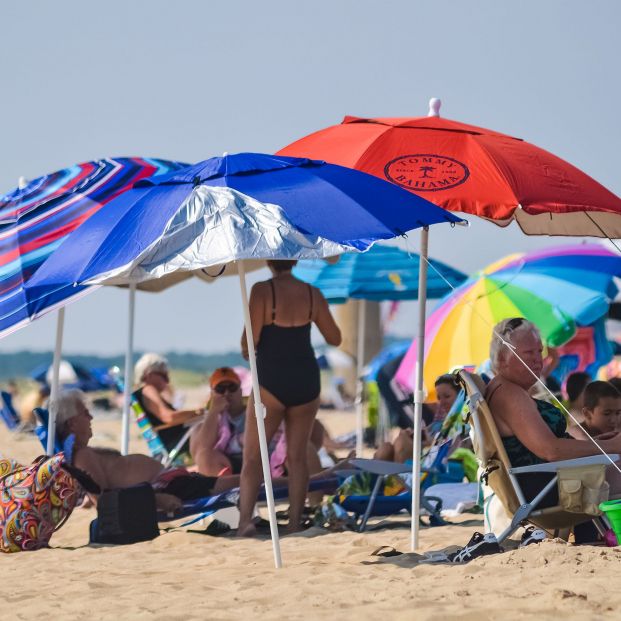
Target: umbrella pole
[259,410]
[51,423]
[128,379]
[362,318]
[418,386]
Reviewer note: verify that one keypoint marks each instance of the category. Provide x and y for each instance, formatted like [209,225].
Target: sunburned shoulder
[506,395]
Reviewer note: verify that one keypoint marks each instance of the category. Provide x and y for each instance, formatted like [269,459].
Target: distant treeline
[22,363]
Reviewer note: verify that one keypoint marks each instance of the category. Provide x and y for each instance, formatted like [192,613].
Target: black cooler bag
[125,515]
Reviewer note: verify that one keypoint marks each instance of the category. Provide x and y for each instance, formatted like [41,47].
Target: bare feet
[293,528]
[247,530]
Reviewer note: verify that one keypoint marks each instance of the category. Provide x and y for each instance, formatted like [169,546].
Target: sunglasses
[226,387]
[513,324]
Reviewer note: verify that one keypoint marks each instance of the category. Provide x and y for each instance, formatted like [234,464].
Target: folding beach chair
[156,447]
[364,506]
[7,412]
[502,477]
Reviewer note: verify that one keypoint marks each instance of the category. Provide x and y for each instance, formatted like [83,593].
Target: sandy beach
[184,575]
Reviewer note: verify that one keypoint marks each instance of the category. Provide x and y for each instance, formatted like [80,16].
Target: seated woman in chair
[400,450]
[218,442]
[152,372]
[532,431]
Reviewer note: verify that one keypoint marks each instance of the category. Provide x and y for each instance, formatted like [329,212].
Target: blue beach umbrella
[234,208]
[382,273]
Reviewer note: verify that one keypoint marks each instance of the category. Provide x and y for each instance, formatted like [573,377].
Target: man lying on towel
[111,470]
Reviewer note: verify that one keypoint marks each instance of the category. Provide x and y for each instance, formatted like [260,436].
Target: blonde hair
[147,364]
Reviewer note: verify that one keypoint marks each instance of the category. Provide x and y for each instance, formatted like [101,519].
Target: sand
[183,575]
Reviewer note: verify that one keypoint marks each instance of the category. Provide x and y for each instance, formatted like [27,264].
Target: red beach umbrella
[471,169]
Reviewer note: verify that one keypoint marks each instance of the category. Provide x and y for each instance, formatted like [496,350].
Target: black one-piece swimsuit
[286,361]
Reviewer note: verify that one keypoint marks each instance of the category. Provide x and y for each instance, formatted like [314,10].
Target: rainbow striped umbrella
[34,220]
[557,289]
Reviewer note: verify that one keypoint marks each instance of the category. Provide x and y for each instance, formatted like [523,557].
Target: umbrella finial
[22,182]
[434,106]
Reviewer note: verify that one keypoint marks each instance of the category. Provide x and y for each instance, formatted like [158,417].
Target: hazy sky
[188,80]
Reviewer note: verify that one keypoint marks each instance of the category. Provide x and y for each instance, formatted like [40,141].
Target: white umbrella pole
[259,410]
[362,308]
[54,389]
[418,387]
[128,380]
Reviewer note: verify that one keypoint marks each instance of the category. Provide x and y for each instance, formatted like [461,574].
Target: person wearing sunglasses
[533,431]
[219,442]
[154,394]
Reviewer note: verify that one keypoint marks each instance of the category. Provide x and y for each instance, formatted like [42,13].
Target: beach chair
[156,447]
[7,412]
[501,476]
[204,507]
[365,506]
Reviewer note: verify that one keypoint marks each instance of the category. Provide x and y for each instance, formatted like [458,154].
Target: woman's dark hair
[282,265]
[576,383]
[449,379]
[598,390]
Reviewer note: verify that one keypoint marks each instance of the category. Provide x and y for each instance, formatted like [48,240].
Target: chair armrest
[378,466]
[555,466]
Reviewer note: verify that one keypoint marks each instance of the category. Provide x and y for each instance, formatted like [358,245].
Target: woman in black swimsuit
[282,311]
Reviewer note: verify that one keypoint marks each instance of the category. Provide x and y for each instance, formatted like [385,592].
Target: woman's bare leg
[252,473]
[298,424]
[212,462]
[314,466]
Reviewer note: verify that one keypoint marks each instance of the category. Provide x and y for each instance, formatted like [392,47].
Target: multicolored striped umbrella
[34,221]
[557,289]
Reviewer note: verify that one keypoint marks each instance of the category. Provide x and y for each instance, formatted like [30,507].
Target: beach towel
[35,501]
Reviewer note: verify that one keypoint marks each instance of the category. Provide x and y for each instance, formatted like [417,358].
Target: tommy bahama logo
[426,172]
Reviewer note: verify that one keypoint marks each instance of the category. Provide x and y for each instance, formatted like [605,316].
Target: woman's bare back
[111,470]
[293,302]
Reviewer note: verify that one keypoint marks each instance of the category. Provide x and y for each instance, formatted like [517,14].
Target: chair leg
[378,483]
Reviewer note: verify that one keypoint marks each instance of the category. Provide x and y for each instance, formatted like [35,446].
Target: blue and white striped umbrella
[382,273]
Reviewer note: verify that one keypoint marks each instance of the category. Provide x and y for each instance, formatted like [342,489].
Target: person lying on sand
[111,470]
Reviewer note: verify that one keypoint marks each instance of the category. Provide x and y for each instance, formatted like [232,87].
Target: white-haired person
[152,374]
[111,470]
[532,431]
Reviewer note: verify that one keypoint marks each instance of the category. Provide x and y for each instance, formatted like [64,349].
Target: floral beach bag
[35,501]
